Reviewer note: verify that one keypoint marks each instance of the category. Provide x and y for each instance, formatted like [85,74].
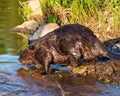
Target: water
[8,19]
[24,83]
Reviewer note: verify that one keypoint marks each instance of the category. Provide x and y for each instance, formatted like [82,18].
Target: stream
[15,80]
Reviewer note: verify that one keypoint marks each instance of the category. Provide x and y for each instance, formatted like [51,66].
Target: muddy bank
[107,72]
[104,71]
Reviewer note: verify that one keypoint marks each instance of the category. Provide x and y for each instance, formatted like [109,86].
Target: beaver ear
[31,47]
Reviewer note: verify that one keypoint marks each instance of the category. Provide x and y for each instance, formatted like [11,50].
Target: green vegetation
[24,10]
[20,43]
[78,11]
[101,16]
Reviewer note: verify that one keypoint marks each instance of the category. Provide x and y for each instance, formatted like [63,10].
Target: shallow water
[14,82]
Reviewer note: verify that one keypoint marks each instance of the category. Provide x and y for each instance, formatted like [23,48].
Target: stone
[43,30]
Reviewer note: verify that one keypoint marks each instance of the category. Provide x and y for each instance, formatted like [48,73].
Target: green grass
[102,16]
[80,10]
[24,10]
[76,11]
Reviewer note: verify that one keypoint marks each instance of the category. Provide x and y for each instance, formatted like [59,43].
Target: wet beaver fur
[66,44]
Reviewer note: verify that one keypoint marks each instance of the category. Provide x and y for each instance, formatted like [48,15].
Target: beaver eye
[31,47]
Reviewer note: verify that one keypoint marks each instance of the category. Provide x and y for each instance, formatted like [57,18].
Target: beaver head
[27,56]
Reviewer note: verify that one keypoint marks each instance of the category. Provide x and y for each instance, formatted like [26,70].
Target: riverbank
[103,21]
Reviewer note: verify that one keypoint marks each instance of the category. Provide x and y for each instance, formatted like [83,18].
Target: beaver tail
[113,55]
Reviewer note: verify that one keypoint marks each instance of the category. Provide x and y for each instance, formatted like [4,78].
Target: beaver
[68,43]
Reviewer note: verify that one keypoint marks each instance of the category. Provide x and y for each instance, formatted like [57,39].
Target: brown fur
[67,43]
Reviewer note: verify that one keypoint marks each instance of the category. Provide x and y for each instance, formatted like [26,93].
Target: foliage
[21,44]
[75,11]
[102,15]
[24,10]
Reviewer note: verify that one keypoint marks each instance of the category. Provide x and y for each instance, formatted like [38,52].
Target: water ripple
[8,59]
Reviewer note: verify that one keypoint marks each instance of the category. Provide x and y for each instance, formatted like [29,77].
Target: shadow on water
[16,81]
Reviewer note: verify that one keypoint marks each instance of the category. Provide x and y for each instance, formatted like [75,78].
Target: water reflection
[8,18]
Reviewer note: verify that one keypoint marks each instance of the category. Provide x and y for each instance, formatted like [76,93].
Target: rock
[34,5]
[28,26]
[43,30]
[36,10]
[33,19]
